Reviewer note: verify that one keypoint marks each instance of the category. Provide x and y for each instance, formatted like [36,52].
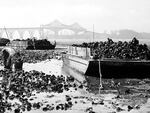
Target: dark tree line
[40,44]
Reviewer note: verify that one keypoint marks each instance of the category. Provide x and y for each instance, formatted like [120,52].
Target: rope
[100,74]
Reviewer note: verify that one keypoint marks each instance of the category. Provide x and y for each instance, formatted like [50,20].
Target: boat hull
[108,68]
[75,67]
[119,69]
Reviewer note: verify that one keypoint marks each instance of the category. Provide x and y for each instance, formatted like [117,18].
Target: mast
[6,32]
[93,33]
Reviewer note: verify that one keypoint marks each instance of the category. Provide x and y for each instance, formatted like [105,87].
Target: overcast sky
[104,14]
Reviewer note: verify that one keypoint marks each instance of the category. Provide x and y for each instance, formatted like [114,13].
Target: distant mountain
[77,26]
[55,23]
[126,34]
[123,35]
[89,36]
[145,35]
[86,36]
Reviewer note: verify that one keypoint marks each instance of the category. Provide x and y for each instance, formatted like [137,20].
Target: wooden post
[100,74]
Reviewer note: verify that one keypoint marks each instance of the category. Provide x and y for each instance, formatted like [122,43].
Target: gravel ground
[133,96]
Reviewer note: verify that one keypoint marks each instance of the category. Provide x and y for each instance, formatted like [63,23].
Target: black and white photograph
[74,56]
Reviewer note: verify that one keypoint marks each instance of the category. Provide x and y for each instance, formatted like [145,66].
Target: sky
[106,15]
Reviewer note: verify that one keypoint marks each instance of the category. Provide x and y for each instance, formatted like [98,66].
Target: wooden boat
[78,59]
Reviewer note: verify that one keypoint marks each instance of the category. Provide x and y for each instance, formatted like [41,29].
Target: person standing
[8,53]
[18,61]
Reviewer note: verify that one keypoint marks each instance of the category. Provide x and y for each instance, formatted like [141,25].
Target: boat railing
[124,60]
[82,52]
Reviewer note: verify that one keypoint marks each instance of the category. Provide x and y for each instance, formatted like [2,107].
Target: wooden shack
[18,44]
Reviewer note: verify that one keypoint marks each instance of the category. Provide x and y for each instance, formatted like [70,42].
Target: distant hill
[87,36]
[123,35]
